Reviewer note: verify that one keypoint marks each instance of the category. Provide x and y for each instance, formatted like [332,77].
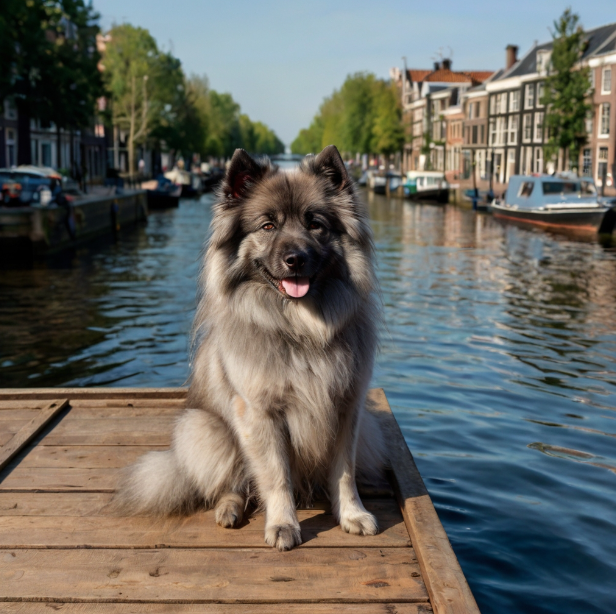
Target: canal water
[498,357]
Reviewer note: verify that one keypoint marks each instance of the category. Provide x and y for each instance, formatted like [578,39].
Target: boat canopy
[533,192]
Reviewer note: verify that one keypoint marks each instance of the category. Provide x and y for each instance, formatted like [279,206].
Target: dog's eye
[314,225]
[268,226]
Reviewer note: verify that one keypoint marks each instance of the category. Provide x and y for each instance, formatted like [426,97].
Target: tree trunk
[58,147]
[131,133]
[24,151]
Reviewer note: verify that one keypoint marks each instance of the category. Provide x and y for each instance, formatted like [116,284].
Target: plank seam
[29,431]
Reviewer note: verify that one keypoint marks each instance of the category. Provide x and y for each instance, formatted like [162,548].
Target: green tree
[387,130]
[363,116]
[49,63]
[566,90]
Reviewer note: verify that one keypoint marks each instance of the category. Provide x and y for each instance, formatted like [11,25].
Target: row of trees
[49,64]
[54,71]
[363,116]
[152,100]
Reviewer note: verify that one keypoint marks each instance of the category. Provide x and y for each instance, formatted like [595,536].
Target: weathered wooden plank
[22,404]
[449,592]
[92,393]
[29,430]
[319,530]
[124,411]
[84,457]
[155,431]
[213,575]
[9,428]
[54,504]
[18,415]
[217,608]
[132,402]
[58,479]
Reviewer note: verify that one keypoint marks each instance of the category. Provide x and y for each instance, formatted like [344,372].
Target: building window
[503,103]
[10,110]
[586,163]
[513,129]
[591,76]
[493,104]
[474,141]
[538,160]
[482,134]
[34,146]
[514,101]
[540,93]
[478,109]
[538,127]
[588,122]
[606,80]
[501,130]
[604,122]
[11,149]
[601,164]
[530,96]
[528,128]
[492,132]
[46,154]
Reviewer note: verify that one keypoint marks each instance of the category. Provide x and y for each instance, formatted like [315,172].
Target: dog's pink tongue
[296,286]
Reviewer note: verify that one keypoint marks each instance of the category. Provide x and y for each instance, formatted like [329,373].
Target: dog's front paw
[283,537]
[362,523]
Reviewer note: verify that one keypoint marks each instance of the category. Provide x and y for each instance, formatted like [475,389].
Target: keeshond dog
[285,337]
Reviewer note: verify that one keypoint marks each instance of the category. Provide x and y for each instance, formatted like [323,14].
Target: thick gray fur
[278,385]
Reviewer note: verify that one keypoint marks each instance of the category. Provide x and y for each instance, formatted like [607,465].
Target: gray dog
[285,337]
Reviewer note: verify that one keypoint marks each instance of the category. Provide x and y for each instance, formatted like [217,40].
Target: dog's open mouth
[295,286]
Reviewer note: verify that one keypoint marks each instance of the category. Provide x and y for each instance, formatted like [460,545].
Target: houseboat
[426,185]
[556,203]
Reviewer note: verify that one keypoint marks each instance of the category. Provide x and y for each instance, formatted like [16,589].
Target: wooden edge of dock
[445,582]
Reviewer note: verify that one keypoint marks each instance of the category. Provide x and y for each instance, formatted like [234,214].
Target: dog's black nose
[295,260]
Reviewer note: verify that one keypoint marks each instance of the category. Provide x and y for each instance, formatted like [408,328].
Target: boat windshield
[561,187]
[588,188]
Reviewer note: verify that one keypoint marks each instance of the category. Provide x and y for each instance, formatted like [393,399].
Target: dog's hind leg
[207,452]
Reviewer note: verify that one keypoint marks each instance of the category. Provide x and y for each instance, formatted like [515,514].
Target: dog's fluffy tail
[202,465]
[155,485]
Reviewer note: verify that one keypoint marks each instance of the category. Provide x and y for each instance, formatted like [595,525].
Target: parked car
[27,185]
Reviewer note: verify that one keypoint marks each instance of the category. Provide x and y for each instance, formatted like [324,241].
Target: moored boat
[556,203]
[162,193]
[426,185]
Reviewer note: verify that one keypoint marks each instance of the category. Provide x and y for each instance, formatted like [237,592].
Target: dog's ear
[243,173]
[329,163]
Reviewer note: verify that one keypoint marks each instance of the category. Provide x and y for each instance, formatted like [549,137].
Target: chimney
[436,66]
[512,56]
[446,64]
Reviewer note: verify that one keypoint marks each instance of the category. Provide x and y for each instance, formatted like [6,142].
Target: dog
[284,341]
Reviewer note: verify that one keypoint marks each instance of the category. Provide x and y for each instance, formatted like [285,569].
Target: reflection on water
[497,357]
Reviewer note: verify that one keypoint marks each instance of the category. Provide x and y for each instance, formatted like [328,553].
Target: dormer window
[543,61]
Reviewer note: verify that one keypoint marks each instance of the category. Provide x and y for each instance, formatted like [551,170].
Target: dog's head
[290,236]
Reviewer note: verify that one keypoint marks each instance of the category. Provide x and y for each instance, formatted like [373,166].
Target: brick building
[515,138]
[432,114]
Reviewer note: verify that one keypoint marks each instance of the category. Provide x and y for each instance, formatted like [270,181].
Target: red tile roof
[445,75]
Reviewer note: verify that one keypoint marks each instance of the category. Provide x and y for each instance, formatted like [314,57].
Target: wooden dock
[62,550]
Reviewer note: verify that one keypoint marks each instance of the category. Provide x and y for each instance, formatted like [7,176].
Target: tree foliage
[566,90]
[49,63]
[151,98]
[363,116]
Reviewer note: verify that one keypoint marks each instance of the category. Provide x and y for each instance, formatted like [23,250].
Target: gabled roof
[446,75]
[599,41]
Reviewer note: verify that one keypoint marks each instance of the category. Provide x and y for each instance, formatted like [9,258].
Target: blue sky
[280,59]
